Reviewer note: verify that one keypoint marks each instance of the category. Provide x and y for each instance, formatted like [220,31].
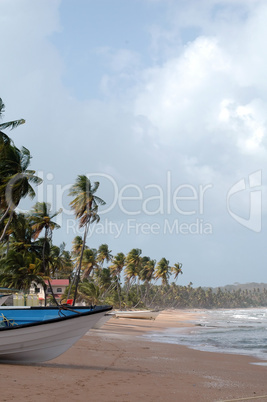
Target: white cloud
[198,113]
[183,86]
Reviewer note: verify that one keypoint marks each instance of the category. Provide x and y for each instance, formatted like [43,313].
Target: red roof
[58,282]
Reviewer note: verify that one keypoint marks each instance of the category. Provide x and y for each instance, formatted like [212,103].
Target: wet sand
[116,363]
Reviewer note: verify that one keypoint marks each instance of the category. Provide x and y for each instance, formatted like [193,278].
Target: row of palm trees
[26,257]
[122,273]
[16,183]
[174,296]
[27,253]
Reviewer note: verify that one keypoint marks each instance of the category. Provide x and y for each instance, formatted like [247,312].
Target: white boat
[137,314]
[103,320]
[30,337]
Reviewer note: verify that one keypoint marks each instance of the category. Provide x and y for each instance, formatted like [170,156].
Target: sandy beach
[116,363]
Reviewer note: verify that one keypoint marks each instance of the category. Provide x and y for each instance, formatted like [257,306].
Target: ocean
[239,331]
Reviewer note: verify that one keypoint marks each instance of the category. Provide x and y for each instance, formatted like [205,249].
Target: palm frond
[12,124]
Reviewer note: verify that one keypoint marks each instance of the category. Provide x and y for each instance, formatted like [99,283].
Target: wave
[242,331]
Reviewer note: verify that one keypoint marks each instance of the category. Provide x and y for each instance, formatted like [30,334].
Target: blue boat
[36,334]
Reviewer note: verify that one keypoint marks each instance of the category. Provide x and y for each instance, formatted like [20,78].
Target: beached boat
[103,320]
[137,314]
[38,334]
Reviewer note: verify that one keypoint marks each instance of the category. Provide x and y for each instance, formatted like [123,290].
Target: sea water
[239,331]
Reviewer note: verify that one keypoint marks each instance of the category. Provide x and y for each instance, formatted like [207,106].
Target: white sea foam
[240,331]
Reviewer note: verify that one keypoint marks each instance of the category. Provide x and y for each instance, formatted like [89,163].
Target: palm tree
[133,266]
[6,146]
[89,262]
[118,263]
[15,181]
[90,292]
[104,254]
[60,261]
[103,279]
[85,205]
[20,235]
[77,245]
[177,270]
[41,219]
[147,273]
[19,270]
[77,248]
[9,124]
[163,271]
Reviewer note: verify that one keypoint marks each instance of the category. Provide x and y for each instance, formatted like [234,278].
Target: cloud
[194,109]
[207,97]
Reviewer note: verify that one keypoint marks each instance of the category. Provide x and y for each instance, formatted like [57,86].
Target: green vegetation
[174,296]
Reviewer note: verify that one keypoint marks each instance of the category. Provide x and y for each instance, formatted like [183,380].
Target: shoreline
[172,321]
[182,321]
[116,363]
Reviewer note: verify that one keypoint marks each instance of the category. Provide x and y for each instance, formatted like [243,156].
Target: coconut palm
[42,220]
[103,279]
[20,235]
[104,254]
[85,205]
[6,160]
[177,270]
[89,262]
[163,271]
[5,145]
[15,181]
[76,248]
[133,266]
[19,270]
[147,273]
[118,263]
[147,270]
[90,292]
[60,261]
[10,124]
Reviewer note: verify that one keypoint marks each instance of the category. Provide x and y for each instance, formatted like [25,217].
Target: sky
[164,103]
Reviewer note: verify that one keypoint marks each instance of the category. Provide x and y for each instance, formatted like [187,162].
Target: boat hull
[43,341]
[29,314]
[103,321]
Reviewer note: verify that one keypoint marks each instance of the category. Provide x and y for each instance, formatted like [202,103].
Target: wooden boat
[103,320]
[137,314]
[38,334]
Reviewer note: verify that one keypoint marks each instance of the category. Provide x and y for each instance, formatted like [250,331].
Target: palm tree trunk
[110,288]
[5,214]
[44,266]
[80,263]
[118,290]
[52,292]
[71,282]
[5,228]
[144,296]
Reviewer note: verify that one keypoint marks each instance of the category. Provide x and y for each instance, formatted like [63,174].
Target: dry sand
[115,363]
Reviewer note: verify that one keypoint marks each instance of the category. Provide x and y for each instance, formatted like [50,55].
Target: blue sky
[164,102]
[89,42]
